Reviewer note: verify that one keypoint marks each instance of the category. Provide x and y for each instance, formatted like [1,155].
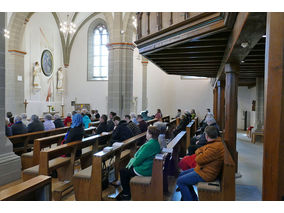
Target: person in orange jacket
[209,161]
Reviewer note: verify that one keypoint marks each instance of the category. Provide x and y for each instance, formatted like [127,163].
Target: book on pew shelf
[159,156]
[107,149]
[167,150]
[117,144]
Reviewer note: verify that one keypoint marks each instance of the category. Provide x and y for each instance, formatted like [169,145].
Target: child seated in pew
[209,161]
[141,164]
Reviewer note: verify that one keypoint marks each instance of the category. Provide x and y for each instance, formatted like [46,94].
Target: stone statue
[36,73]
[60,77]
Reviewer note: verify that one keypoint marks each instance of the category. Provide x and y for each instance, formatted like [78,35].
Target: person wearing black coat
[8,130]
[184,122]
[35,125]
[102,128]
[76,131]
[121,132]
[19,128]
[57,121]
[110,124]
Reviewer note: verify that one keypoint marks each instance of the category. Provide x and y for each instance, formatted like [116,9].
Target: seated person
[86,118]
[68,119]
[9,115]
[200,140]
[110,124]
[158,115]
[132,126]
[24,118]
[209,162]
[35,125]
[184,122]
[102,128]
[76,131]
[142,124]
[134,118]
[8,130]
[121,132]
[11,121]
[145,116]
[18,127]
[178,113]
[141,164]
[57,121]
[48,124]
[162,127]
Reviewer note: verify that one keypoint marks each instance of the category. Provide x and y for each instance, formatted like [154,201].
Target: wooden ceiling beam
[249,27]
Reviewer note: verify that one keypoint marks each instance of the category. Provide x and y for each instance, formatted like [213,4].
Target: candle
[62,101]
[49,101]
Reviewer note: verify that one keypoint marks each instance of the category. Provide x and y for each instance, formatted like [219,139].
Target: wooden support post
[273,158]
[231,101]
[215,101]
[221,105]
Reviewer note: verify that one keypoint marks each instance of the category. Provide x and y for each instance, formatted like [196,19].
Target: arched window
[97,51]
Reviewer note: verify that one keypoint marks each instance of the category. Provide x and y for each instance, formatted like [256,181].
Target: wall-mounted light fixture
[6,33]
[244,44]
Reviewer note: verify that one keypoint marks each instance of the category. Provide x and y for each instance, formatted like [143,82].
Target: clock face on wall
[47,63]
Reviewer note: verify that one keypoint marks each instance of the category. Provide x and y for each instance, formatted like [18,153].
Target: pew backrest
[38,188]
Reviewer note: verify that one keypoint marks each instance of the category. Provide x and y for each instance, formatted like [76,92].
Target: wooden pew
[223,189]
[151,122]
[24,139]
[30,159]
[35,189]
[94,123]
[189,133]
[151,188]
[88,182]
[166,119]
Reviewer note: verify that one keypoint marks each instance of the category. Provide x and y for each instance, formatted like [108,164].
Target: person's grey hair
[34,118]
[17,118]
[48,117]
[69,114]
[84,111]
[56,116]
[132,115]
[24,116]
[161,126]
[210,120]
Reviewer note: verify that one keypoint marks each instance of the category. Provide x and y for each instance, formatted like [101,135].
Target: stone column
[231,107]
[144,83]
[259,118]
[10,164]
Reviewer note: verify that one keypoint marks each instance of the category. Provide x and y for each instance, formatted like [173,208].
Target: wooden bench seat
[149,188]
[152,188]
[21,143]
[223,189]
[35,189]
[88,182]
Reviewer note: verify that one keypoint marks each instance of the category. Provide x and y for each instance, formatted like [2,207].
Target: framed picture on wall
[47,63]
[82,106]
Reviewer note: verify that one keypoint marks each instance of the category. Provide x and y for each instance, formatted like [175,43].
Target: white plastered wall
[42,33]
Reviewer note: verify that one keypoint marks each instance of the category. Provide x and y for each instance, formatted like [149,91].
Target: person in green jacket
[142,162]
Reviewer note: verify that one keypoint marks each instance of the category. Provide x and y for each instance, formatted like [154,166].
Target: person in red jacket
[68,119]
[209,161]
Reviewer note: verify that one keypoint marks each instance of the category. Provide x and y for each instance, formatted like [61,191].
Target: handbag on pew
[108,174]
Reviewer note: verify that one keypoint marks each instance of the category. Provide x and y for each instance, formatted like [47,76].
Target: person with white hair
[18,127]
[48,124]
[24,118]
[68,119]
[162,127]
[35,125]
[133,118]
[86,119]
[58,121]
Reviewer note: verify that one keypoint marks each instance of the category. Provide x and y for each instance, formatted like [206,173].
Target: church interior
[220,67]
